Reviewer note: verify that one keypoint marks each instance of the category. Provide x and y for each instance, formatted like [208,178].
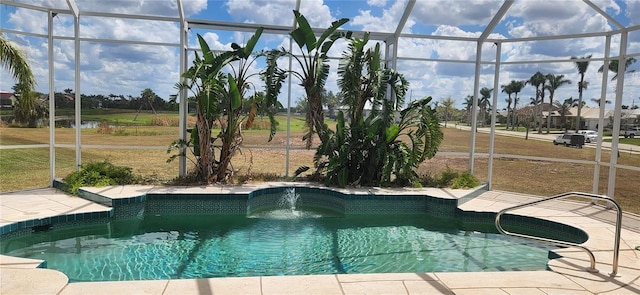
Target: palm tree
[517,87]
[29,108]
[508,89]
[554,83]
[468,106]
[447,107]
[484,102]
[563,109]
[538,81]
[599,101]
[613,67]
[13,59]
[582,69]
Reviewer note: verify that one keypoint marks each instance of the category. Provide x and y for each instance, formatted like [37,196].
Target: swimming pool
[165,236]
[192,246]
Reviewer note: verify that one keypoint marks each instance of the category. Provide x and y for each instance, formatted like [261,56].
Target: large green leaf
[234,93]
[206,52]
[303,34]
[391,133]
[248,48]
[329,31]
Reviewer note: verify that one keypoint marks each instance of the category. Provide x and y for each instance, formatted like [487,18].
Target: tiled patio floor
[567,275]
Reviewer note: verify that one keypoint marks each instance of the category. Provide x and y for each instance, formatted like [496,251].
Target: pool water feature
[232,245]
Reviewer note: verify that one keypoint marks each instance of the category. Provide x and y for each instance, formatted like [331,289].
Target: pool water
[197,246]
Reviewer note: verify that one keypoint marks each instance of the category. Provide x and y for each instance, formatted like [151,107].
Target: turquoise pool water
[205,246]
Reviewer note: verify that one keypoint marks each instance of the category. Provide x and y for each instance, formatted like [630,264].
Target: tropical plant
[219,99]
[468,107]
[599,101]
[447,108]
[13,59]
[29,109]
[314,68]
[582,67]
[539,80]
[98,174]
[516,88]
[555,81]
[386,145]
[613,67]
[508,89]
[563,109]
[485,103]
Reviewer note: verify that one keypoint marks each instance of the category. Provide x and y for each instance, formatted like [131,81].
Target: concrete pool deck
[567,275]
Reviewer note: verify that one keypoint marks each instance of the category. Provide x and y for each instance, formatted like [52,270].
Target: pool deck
[567,274]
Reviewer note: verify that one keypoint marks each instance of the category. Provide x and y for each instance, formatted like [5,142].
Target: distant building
[7,100]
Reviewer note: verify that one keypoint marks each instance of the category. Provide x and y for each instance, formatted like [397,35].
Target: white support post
[183,106]
[474,109]
[288,144]
[603,98]
[622,59]
[78,102]
[52,102]
[496,78]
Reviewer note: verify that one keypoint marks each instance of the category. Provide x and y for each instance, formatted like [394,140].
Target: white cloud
[379,3]
[279,12]
[387,22]
[455,13]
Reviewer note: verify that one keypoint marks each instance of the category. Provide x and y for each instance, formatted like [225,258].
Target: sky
[127,69]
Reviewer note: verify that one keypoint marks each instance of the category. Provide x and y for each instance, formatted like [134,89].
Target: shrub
[450,178]
[465,180]
[98,174]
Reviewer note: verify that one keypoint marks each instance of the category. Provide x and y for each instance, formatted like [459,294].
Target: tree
[599,101]
[314,66]
[147,98]
[468,106]
[582,67]
[447,109]
[538,80]
[563,110]
[516,87]
[301,105]
[613,67]
[555,81]
[386,145]
[508,89]
[332,102]
[14,61]
[29,108]
[484,102]
[219,100]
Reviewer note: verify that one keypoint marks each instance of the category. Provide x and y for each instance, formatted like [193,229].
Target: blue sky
[111,68]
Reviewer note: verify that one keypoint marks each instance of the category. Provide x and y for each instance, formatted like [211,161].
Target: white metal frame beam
[476,82]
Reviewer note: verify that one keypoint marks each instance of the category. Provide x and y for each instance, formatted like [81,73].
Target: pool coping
[566,273]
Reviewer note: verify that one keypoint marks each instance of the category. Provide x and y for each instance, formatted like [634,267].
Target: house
[7,100]
[591,116]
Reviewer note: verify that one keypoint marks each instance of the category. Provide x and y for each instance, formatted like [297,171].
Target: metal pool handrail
[569,244]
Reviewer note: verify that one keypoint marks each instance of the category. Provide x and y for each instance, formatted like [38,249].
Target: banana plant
[387,145]
[314,68]
[219,83]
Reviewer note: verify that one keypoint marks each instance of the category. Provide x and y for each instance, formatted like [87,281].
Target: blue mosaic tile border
[485,221]
[32,225]
[311,197]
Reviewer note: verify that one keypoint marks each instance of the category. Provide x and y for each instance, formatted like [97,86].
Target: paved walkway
[567,274]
